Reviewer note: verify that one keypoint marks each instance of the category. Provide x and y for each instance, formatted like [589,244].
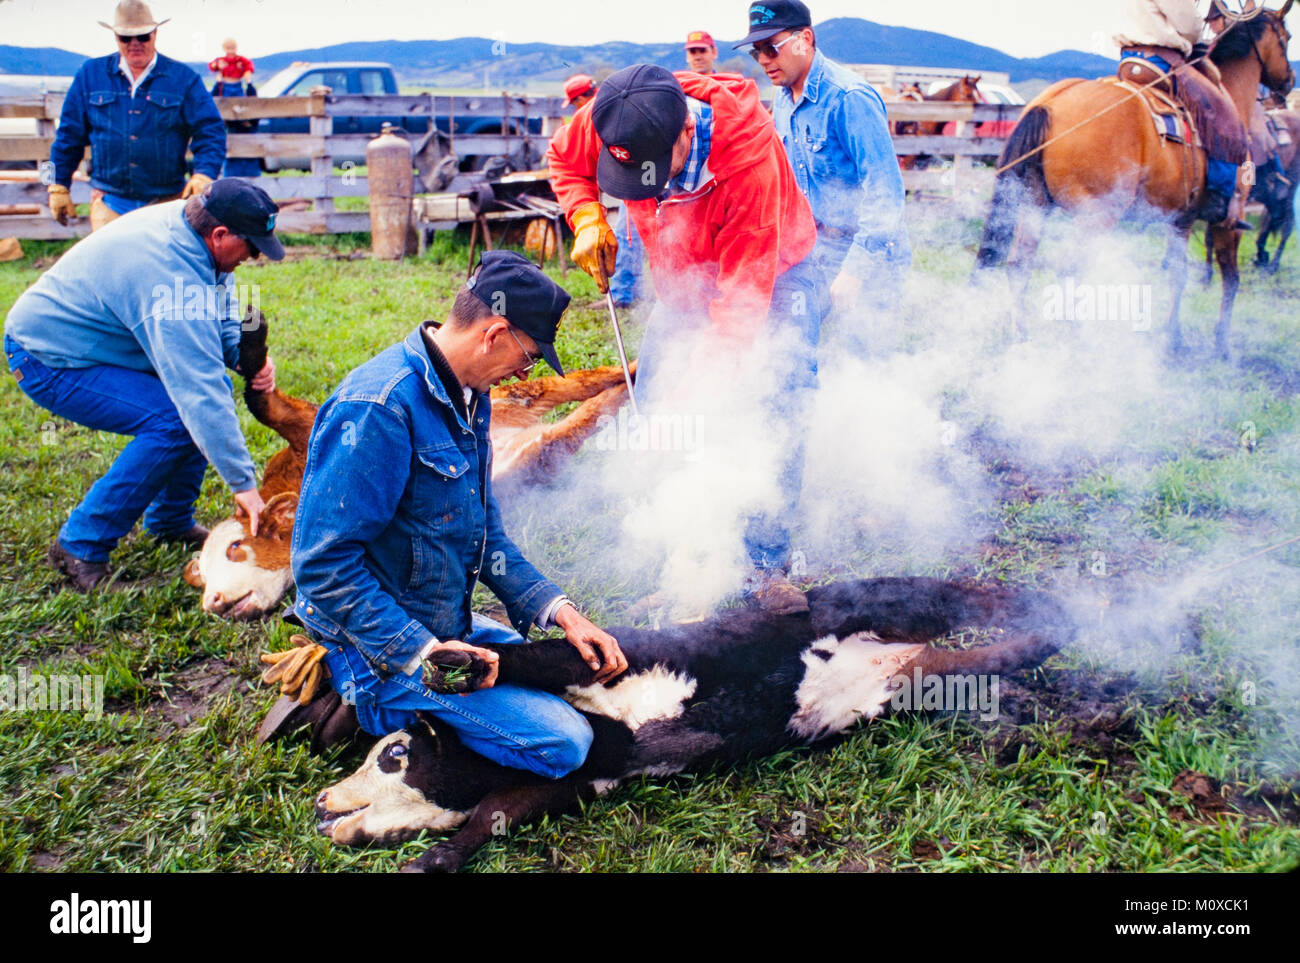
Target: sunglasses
[532,361]
[768,49]
[141,37]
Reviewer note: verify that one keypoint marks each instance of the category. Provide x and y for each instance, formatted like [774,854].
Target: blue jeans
[157,475]
[510,725]
[799,303]
[628,281]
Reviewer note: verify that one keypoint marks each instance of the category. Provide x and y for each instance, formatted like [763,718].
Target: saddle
[1171,119]
[1195,96]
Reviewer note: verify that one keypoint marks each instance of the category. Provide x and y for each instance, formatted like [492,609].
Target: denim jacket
[397,521]
[138,144]
[838,141]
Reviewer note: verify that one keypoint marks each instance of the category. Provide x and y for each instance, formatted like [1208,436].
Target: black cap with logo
[246,210]
[767,18]
[516,289]
[639,113]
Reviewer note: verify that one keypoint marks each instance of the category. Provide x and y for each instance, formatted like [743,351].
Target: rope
[1262,551]
[1105,110]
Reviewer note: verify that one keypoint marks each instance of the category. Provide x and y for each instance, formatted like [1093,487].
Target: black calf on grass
[741,685]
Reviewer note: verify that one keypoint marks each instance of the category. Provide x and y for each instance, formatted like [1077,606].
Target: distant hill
[477,61]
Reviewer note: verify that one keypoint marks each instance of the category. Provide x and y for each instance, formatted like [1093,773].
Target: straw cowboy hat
[132,18]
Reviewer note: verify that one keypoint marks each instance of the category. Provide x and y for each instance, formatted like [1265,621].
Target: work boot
[192,538]
[774,592]
[332,721]
[83,574]
[1214,207]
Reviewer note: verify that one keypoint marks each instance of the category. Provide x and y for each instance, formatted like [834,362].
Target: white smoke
[902,448]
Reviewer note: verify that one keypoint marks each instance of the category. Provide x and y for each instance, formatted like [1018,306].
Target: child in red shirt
[230,67]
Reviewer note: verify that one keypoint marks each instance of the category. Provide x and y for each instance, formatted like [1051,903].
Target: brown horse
[1279,206]
[965,91]
[1090,148]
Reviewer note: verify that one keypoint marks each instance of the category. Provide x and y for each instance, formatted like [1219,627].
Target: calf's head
[244,576]
[397,793]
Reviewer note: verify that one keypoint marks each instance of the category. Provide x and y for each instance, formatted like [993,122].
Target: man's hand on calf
[597,647]
[455,667]
[248,503]
[264,380]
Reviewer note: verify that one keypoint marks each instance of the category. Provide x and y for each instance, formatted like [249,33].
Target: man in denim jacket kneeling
[397,521]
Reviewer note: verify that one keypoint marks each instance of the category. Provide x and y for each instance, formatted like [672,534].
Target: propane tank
[388,160]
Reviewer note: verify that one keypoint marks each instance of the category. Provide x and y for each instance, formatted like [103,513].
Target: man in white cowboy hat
[139,112]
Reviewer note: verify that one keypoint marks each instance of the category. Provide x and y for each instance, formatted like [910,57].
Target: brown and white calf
[244,576]
[743,684]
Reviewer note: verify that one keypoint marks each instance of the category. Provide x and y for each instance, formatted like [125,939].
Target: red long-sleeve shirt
[725,244]
[231,67]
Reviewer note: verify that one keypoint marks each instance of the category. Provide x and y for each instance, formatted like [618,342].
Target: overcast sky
[1025,28]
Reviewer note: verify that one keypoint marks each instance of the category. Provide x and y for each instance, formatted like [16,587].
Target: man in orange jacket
[728,233]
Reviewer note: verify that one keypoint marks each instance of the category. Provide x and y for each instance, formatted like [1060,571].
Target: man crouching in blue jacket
[397,521]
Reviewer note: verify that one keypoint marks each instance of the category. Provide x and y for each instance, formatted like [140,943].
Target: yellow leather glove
[61,207]
[595,246]
[298,670]
[196,185]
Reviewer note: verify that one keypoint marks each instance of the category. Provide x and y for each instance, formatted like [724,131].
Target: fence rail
[322,144]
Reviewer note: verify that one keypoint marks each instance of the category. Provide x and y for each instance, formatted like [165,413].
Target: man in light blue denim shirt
[835,132]
[131,332]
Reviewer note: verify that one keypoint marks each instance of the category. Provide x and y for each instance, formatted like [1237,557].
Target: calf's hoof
[443,858]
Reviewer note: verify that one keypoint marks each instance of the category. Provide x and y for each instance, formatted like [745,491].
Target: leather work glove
[196,185]
[594,244]
[61,207]
[298,670]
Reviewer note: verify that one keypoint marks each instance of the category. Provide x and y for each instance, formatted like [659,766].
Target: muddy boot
[1214,207]
[84,575]
[332,721]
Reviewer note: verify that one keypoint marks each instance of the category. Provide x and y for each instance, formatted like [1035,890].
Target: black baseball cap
[639,113]
[246,210]
[767,18]
[516,289]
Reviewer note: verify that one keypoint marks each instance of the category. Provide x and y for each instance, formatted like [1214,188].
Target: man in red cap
[579,90]
[701,52]
[706,181]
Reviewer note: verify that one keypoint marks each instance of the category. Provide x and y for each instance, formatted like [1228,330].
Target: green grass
[169,778]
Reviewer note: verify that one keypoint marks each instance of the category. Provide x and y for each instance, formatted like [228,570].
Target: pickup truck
[364,77]
[342,77]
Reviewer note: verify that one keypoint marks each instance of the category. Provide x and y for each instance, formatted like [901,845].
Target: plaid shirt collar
[696,173]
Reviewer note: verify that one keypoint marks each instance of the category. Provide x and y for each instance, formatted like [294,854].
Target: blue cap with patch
[247,210]
[516,289]
[767,18]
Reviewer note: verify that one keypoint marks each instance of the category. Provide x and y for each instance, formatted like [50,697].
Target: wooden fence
[322,146]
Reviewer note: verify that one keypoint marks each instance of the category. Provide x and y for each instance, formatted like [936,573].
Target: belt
[836,233]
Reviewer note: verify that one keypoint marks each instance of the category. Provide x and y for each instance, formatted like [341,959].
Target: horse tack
[1170,118]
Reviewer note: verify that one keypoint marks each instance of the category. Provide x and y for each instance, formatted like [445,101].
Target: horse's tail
[1012,184]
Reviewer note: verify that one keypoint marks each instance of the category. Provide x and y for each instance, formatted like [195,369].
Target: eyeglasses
[532,362]
[768,49]
[697,50]
[142,37]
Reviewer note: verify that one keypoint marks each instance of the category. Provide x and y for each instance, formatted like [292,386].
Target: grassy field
[1175,767]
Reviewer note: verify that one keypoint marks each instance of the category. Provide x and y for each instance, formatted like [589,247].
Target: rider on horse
[1166,34]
